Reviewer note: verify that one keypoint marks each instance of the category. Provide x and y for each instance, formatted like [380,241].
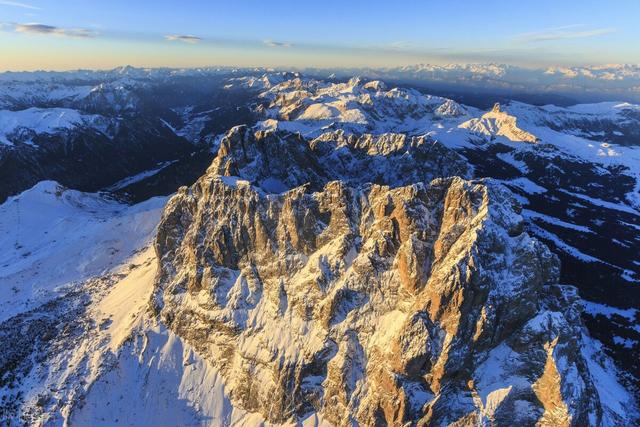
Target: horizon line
[335,67]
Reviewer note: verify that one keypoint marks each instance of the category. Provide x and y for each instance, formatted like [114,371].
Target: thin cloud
[396,46]
[183,38]
[42,29]
[271,43]
[18,4]
[563,33]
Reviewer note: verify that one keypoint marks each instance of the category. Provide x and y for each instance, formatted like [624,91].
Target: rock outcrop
[498,123]
[405,303]
[277,161]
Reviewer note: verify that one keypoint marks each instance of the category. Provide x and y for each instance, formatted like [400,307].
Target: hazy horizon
[306,68]
[70,34]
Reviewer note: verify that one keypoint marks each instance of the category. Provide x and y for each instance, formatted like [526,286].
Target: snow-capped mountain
[566,84]
[19,126]
[351,253]
[60,126]
[498,123]
[356,106]
[611,72]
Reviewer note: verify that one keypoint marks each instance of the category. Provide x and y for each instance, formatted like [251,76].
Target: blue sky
[65,34]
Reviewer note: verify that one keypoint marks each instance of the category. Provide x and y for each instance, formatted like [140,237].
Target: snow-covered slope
[53,238]
[115,94]
[15,124]
[34,93]
[79,345]
[498,123]
[357,106]
[160,380]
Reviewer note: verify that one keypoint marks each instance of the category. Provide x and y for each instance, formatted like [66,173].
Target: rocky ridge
[278,160]
[420,301]
[579,182]
[498,123]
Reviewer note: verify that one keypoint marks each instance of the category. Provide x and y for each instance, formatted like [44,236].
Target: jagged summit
[424,304]
[417,302]
[499,123]
[451,109]
[376,85]
[278,161]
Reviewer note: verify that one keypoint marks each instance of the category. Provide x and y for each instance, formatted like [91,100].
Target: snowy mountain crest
[498,123]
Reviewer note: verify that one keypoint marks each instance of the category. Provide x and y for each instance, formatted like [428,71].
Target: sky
[94,34]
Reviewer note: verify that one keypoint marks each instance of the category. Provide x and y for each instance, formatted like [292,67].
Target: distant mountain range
[471,83]
[612,82]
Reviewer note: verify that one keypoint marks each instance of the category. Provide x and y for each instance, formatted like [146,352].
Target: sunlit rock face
[422,303]
[498,123]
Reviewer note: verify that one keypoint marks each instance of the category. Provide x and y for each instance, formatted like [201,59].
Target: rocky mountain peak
[376,85]
[416,300]
[499,123]
[277,161]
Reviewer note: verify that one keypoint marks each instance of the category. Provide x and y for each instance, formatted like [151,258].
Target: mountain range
[261,247]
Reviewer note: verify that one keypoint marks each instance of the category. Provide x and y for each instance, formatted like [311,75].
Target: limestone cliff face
[406,303]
